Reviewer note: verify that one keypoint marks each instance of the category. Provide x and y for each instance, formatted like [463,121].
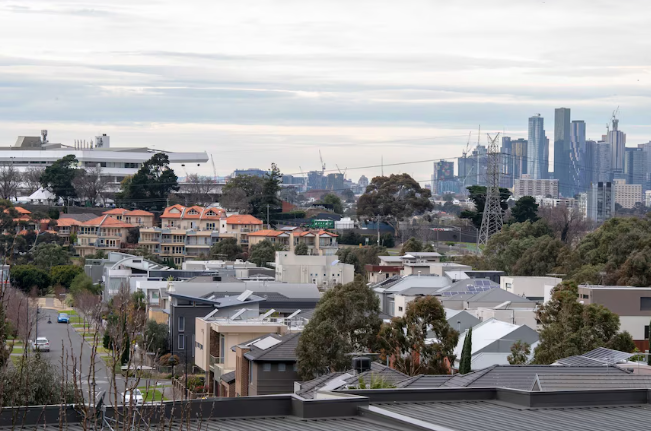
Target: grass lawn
[16,360]
[152,395]
[17,349]
[69,312]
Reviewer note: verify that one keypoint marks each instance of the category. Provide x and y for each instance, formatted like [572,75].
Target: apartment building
[627,195]
[66,227]
[178,217]
[319,242]
[101,233]
[527,186]
[239,226]
[185,232]
[136,217]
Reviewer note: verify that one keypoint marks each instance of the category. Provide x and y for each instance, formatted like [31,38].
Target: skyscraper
[562,151]
[601,202]
[506,163]
[635,167]
[536,151]
[577,158]
[617,141]
[519,157]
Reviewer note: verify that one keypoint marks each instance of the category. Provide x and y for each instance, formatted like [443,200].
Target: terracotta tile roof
[314,232]
[22,232]
[107,221]
[267,232]
[193,213]
[323,232]
[242,219]
[174,211]
[139,213]
[115,211]
[303,233]
[68,222]
[22,210]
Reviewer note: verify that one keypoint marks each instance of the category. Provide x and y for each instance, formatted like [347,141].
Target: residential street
[67,345]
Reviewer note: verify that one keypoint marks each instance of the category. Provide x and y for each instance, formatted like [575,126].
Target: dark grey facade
[562,172]
[185,309]
[270,378]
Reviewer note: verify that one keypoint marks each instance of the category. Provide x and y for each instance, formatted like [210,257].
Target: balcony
[215,363]
[245,229]
[244,241]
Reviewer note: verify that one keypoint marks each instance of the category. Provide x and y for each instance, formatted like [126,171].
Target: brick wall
[241,372]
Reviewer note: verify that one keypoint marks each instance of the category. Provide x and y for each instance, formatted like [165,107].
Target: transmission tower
[491,222]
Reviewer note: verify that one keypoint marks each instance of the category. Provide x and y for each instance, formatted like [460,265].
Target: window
[266,366]
[210,226]
[181,323]
[508,286]
[250,373]
[181,342]
[645,303]
[281,367]
[295,366]
[646,332]
[399,308]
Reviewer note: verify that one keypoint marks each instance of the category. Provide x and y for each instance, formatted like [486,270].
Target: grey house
[185,309]
[267,365]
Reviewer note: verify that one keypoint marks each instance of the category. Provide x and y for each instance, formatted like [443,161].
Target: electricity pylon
[491,222]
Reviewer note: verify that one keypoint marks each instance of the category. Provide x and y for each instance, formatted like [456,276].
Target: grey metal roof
[389,375]
[283,351]
[292,424]
[271,423]
[580,382]
[494,416]
[499,295]
[521,376]
[228,377]
[424,381]
[597,357]
[506,376]
[311,387]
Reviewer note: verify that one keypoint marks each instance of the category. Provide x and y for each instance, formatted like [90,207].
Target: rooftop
[273,347]
[243,219]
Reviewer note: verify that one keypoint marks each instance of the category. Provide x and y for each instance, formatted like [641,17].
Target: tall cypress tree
[466,354]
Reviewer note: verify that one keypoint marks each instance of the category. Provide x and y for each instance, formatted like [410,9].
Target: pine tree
[466,354]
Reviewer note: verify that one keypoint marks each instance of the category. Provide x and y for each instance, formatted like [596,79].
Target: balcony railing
[216,360]
[245,229]
[244,241]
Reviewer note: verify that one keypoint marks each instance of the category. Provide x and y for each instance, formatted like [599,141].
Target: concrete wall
[530,287]
[635,325]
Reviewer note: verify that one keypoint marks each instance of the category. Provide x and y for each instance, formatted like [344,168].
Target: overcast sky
[261,81]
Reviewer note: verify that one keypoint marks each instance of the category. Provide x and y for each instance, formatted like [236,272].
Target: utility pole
[492,219]
[268,222]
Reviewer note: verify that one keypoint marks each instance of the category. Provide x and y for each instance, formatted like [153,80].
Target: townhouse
[101,233]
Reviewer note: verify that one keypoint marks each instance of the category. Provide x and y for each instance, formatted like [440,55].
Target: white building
[492,341]
[527,186]
[533,288]
[627,195]
[324,271]
[115,162]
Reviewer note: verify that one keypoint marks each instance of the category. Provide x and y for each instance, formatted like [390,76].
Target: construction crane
[342,173]
[304,178]
[323,165]
[214,170]
[467,150]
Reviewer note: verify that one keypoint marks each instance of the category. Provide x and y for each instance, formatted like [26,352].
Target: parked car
[134,396]
[63,318]
[41,344]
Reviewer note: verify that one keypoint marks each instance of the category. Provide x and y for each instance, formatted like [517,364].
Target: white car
[41,344]
[134,396]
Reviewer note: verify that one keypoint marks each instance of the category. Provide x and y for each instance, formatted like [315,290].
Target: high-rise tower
[562,150]
[536,151]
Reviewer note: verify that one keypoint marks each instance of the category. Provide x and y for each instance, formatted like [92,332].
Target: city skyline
[244,81]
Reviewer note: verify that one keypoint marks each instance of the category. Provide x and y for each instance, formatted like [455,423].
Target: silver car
[41,344]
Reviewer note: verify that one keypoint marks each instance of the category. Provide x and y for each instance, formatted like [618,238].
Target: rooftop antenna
[382,164]
[478,170]
[43,136]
